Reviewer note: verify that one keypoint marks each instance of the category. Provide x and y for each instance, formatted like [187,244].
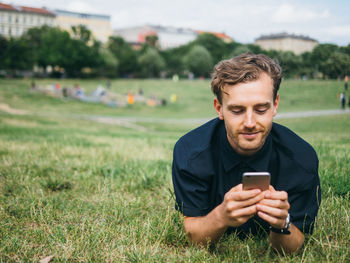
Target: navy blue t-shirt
[205,167]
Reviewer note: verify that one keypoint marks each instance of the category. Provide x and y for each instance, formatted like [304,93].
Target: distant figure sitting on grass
[210,160]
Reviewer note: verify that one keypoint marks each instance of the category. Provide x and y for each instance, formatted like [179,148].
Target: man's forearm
[287,243]
[205,229]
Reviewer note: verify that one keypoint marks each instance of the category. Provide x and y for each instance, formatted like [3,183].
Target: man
[210,160]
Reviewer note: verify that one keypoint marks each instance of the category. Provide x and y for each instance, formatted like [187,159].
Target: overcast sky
[327,21]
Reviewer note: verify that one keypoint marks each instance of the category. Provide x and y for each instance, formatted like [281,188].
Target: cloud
[287,13]
[339,31]
[81,7]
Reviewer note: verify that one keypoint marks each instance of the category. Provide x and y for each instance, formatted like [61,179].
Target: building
[16,20]
[287,42]
[168,37]
[99,25]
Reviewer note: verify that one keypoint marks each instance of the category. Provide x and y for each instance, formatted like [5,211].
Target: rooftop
[285,35]
[26,9]
[81,15]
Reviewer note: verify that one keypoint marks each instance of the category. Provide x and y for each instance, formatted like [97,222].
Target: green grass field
[82,191]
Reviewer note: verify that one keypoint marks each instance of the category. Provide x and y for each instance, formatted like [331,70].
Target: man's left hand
[274,208]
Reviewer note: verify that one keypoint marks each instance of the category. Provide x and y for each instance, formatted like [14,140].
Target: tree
[48,45]
[337,65]
[198,61]
[81,32]
[240,50]
[3,51]
[289,62]
[320,54]
[151,63]
[213,44]
[52,46]
[126,56]
[15,55]
[108,65]
[152,41]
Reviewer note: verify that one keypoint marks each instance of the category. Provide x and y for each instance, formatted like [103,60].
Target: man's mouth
[250,135]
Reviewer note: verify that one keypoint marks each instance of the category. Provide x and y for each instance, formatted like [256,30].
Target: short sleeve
[191,180]
[304,205]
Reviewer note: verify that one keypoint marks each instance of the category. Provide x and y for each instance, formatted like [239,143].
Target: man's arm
[287,243]
[274,210]
[236,209]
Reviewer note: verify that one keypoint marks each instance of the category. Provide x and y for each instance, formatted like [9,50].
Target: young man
[210,160]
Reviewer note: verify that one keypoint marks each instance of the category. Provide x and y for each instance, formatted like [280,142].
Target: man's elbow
[194,233]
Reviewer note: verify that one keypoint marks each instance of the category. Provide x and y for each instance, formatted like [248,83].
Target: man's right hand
[239,206]
[236,209]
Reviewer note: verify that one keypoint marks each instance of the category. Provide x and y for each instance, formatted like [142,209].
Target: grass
[195,97]
[91,192]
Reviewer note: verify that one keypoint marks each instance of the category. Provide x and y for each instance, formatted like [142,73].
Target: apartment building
[287,42]
[16,20]
[168,36]
[99,25]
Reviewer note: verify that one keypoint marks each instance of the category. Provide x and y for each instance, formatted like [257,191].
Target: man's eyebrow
[266,104]
[235,106]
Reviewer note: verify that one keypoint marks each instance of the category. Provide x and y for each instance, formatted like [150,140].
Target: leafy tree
[337,65]
[320,54]
[109,63]
[48,45]
[306,67]
[52,46]
[213,44]
[255,49]
[199,61]
[174,59]
[345,49]
[76,56]
[81,32]
[126,56]
[290,63]
[16,55]
[151,63]
[240,50]
[152,41]
[3,51]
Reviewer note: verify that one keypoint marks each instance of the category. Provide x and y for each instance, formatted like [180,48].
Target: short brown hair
[244,68]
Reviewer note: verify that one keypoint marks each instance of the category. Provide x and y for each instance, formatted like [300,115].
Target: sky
[327,21]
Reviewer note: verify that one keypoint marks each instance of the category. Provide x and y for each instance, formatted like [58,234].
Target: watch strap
[285,230]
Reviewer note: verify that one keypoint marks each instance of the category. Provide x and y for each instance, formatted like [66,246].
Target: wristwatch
[285,230]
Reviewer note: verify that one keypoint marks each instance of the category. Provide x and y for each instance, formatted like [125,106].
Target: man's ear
[218,108]
[275,105]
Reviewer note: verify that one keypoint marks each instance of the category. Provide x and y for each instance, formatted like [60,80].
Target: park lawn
[194,97]
[90,192]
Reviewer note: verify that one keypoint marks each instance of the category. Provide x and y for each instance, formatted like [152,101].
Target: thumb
[236,188]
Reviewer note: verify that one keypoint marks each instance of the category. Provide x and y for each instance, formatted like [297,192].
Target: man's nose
[249,119]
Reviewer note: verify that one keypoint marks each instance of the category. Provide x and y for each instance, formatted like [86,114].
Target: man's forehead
[228,87]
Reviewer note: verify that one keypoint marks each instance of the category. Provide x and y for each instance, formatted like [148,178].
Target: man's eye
[261,111]
[236,111]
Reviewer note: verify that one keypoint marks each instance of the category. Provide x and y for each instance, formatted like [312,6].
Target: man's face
[248,110]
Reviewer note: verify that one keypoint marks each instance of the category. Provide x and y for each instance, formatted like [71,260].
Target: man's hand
[236,209]
[274,208]
[239,206]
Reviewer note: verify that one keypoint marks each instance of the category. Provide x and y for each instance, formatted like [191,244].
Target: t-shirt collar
[259,162]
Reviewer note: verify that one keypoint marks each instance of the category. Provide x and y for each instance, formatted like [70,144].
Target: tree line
[79,55]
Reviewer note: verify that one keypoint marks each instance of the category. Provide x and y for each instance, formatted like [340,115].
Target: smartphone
[256,180]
